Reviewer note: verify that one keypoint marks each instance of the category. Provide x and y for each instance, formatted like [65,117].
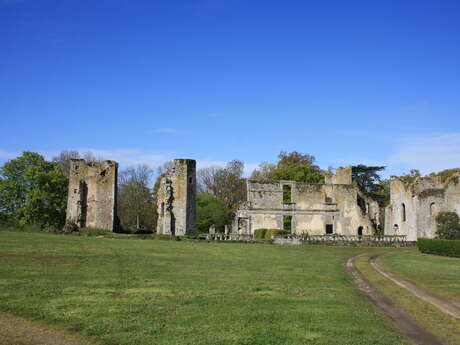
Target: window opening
[287,191]
[287,223]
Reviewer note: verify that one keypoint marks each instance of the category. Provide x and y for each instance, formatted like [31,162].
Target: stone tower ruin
[177,198]
[414,206]
[92,197]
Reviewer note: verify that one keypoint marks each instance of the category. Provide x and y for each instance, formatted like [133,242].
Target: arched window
[162,209]
[403,212]
[432,208]
[360,231]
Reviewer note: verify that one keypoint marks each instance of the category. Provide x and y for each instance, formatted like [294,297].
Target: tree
[293,166]
[64,157]
[63,160]
[295,157]
[448,226]
[135,199]
[33,191]
[445,174]
[264,172]
[369,181]
[227,184]
[298,172]
[411,176]
[211,210]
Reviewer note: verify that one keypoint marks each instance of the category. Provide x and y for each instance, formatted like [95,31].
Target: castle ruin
[92,194]
[176,199]
[335,207]
[413,206]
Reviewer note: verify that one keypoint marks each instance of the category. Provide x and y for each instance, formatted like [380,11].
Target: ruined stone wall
[312,206]
[92,194]
[413,207]
[177,198]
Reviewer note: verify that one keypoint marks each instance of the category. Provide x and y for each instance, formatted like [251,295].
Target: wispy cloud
[171,131]
[431,153]
[132,157]
[5,155]
[206,163]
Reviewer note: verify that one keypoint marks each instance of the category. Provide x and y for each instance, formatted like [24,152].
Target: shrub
[448,226]
[267,234]
[260,234]
[439,246]
[69,227]
[275,232]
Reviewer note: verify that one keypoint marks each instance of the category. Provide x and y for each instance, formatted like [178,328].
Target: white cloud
[5,155]
[430,153]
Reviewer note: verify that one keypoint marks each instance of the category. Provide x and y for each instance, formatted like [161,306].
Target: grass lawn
[435,273]
[166,292]
[443,326]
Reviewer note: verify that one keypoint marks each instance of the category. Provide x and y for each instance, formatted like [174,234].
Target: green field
[166,292]
[438,274]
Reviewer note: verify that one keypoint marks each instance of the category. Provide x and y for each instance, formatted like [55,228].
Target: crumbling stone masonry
[92,195]
[414,206]
[177,198]
[336,207]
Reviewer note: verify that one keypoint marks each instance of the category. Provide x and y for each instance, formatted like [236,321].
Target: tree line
[33,191]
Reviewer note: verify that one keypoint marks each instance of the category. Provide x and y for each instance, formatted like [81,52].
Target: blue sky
[372,82]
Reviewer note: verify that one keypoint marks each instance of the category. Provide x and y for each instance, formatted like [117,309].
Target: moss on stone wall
[432,192]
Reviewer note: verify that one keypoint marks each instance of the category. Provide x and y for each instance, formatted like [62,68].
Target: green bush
[69,227]
[440,247]
[259,234]
[267,234]
[274,232]
[448,226]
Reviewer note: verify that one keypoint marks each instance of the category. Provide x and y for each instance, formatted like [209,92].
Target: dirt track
[19,331]
[443,304]
[400,319]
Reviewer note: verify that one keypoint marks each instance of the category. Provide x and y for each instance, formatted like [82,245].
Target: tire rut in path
[400,319]
[443,304]
[18,331]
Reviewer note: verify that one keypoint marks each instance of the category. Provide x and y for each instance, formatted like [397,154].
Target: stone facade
[92,195]
[336,207]
[414,206]
[177,198]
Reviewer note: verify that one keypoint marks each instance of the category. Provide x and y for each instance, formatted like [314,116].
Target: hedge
[440,247]
[260,234]
[267,234]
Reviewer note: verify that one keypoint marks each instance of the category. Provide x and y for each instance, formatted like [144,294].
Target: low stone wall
[338,240]
[229,237]
[329,240]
